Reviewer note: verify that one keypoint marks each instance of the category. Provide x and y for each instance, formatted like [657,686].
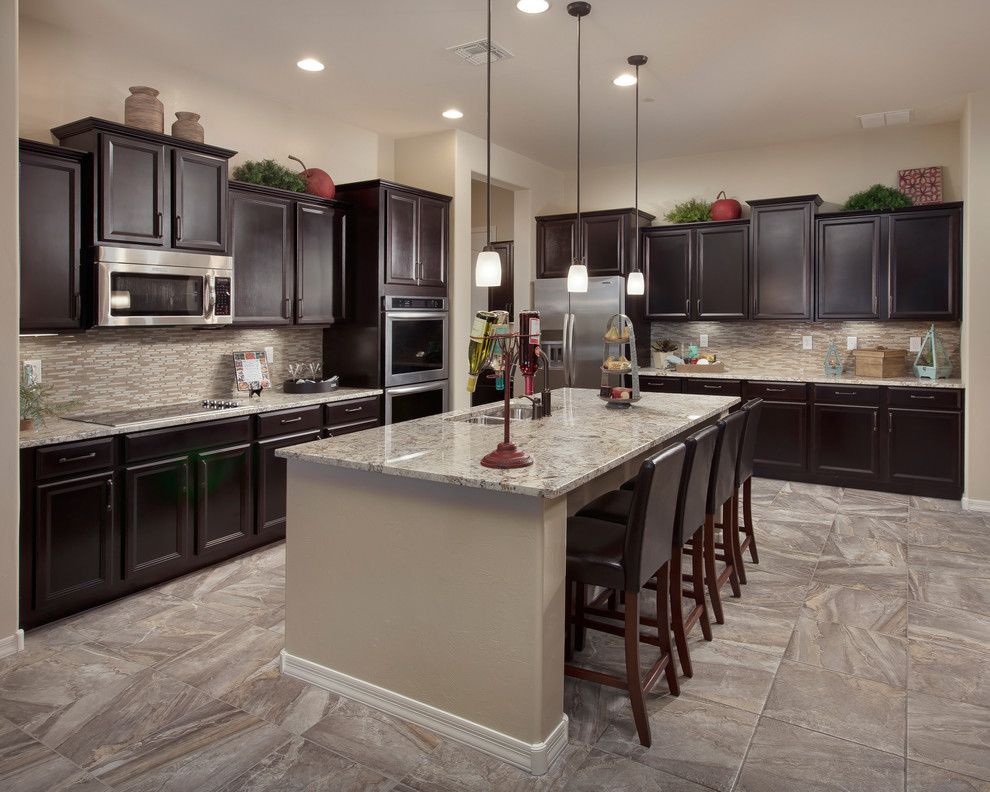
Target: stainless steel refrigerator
[572,326]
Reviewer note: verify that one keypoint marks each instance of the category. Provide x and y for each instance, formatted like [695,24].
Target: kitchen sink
[494,415]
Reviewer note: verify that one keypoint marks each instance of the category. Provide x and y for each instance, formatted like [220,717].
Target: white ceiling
[723,74]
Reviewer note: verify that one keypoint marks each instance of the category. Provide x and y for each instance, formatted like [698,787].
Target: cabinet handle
[297,419]
[80,458]
[109,496]
[353,409]
[875,308]
[687,307]
[299,307]
[78,310]
[286,309]
[178,228]
[697,306]
[875,421]
[713,387]
[845,393]
[158,225]
[923,398]
[890,423]
[775,390]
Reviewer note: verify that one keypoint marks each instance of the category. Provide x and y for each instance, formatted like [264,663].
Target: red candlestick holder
[506,454]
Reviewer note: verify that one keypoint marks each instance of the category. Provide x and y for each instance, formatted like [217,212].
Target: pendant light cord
[488,188]
[636,190]
[580,236]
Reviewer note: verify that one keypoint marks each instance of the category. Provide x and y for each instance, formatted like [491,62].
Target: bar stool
[624,557]
[744,478]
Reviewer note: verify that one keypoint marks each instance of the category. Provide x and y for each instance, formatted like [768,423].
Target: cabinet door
[132,191]
[923,265]
[848,261]
[604,246]
[262,248]
[845,441]
[271,482]
[667,270]
[556,241]
[224,501]
[924,449]
[199,195]
[431,243]
[721,273]
[401,237]
[502,297]
[782,444]
[50,240]
[74,527]
[781,261]
[316,245]
[157,519]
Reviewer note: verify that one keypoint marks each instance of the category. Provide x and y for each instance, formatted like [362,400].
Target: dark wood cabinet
[431,242]
[50,217]
[199,202]
[158,520]
[924,450]
[848,267]
[270,482]
[781,257]
[607,236]
[401,237]
[845,441]
[318,262]
[224,503]
[923,263]
[661,384]
[132,190]
[782,445]
[666,262]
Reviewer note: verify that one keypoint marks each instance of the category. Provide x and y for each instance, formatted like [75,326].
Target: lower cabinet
[845,441]
[158,519]
[782,446]
[270,482]
[225,500]
[925,448]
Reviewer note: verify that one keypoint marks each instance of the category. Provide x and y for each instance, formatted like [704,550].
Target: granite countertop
[62,430]
[806,375]
[581,440]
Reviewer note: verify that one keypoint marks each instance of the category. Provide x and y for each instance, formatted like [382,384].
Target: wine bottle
[529,341]
[480,346]
[498,352]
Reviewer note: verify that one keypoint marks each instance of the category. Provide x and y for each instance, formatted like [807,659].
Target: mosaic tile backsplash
[776,346]
[108,369]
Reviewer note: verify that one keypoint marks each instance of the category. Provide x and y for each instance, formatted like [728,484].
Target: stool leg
[633,679]
[568,620]
[677,611]
[579,617]
[711,578]
[748,518]
[663,625]
[734,531]
[698,582]
[729,542]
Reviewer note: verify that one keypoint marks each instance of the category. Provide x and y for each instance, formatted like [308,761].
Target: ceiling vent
[476,52]
[889,118]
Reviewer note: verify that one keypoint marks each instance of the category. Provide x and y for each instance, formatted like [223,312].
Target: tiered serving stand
[627,338]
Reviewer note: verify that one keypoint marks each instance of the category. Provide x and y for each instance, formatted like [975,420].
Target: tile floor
[857,659]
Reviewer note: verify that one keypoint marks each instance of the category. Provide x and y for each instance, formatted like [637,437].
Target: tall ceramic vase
[144,110]
[187,126]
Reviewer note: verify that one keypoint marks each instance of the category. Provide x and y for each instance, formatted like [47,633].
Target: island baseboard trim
[975,504]
[535,758]
[12,644]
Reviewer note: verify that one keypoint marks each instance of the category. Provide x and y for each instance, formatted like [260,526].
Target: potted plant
[36,405]
[659,350]
[690,211]
[877,198]
[268,173]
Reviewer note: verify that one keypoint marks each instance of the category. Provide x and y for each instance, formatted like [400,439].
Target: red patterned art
[924,185]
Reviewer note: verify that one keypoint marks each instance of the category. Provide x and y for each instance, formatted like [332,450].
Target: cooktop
[142,415]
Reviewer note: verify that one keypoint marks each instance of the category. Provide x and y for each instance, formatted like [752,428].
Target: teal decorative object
[693,352]
[833,362]
[932,362]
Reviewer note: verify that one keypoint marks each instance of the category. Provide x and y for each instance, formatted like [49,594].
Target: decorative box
[924,185]
[880,362]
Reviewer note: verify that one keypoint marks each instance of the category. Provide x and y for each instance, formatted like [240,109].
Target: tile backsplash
[110,369]
[776,346]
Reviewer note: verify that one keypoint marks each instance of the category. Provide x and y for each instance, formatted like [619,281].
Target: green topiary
[269,173]
[878,197]
[691,211]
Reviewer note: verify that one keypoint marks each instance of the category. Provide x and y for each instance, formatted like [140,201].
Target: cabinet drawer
[286,421]
[714,387]
[158,443]
[777,391]
[352,411]
[921,398]
[847,394]
[661,385]
[342,429]
[71,458]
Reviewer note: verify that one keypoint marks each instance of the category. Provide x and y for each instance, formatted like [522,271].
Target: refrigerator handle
[566,350]
[570,347]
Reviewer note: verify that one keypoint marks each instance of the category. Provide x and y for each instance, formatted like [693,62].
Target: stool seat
[595,552]
[613,506]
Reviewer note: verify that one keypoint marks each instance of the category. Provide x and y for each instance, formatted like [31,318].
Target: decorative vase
[143,109]
[187,127]
[27,424]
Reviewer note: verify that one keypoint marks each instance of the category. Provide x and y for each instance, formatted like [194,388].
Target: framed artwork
[924,185]
[251,371]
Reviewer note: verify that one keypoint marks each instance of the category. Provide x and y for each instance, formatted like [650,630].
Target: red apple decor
[725,208]
[318,182]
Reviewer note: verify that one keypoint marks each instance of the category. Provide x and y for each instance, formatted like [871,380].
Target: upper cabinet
[782,250]
[608,238]
[848,264]
[51,197]
[320,263]
[153,190]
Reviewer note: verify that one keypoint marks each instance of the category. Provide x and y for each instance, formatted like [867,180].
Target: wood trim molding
[12,644]
[973,504]
[535,758]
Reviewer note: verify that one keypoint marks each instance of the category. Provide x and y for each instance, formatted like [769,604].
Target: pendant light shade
[577,278]
[488,269]
[635,284]
[577,275]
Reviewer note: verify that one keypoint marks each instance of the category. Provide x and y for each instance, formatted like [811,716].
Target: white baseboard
[535,758]
[972,504]
[12,644]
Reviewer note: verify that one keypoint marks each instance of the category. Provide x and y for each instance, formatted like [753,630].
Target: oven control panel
[223,297]
[415,303]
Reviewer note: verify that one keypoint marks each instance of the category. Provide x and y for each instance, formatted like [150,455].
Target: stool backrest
[747,450]
[650,528]
[693,505]
[723,479]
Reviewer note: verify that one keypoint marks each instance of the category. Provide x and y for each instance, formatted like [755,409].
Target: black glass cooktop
[141,415]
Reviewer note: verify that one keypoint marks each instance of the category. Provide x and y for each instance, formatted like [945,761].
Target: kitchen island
[425,585]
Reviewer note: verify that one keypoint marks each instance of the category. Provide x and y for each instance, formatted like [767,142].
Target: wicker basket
[880,363]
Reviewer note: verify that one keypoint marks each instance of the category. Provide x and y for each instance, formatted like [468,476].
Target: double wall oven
[415,376]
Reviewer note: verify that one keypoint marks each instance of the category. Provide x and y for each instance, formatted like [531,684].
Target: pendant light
[635,284]
[577,274]
[488,269]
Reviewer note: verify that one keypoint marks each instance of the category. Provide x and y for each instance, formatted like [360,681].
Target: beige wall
[8,317]
[503,209]
[834,168]
[65,77]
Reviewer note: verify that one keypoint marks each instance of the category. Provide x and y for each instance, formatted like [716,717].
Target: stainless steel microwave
[137,287]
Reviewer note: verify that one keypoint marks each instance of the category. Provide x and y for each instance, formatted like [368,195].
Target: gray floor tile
[882,505]
[949,671]
[603,771]
[867,564]
[949,625]
[949,578]
[869,610]
[949,734]
[28,766]
[871,528]
[925,778]
[730,674]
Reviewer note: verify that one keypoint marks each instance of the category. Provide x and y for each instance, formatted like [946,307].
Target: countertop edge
[949,383]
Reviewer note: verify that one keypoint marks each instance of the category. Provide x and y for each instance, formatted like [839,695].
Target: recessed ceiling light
[532,6]
[624,80]
[310,64]
[453,114]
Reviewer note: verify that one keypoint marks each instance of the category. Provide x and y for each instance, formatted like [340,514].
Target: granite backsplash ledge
[776,346]
[110,368]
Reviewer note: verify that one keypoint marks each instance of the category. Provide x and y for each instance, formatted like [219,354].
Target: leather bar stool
[744,479]
[624,557]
